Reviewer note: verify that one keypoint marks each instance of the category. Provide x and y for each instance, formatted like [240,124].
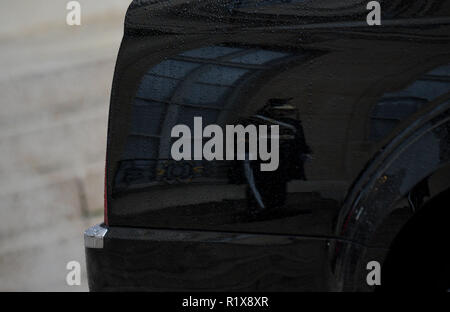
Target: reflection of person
[268,189]
[293,148]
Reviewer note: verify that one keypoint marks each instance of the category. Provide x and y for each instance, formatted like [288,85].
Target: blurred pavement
[55,85]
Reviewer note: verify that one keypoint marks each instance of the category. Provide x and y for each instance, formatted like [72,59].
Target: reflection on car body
[364,146]
[267,191]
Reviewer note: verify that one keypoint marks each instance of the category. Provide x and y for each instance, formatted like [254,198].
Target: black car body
[364,151]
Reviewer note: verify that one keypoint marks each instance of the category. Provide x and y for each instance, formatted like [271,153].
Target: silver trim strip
[93,236]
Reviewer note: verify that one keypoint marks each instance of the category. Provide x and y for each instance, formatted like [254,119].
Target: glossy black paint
[167,260]
[365,122]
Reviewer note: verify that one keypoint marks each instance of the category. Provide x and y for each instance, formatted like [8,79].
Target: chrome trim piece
[93,236]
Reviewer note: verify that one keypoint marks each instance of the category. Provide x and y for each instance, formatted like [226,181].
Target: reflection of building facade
[209,82]
[393,107]
[199,82]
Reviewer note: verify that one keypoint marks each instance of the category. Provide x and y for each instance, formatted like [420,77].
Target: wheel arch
[421,152]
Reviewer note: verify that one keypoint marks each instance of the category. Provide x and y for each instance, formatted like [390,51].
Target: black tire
[419,256]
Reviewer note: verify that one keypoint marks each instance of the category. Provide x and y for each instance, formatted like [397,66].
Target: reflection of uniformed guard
[268,189]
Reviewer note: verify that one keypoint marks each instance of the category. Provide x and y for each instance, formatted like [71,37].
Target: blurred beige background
[55,83]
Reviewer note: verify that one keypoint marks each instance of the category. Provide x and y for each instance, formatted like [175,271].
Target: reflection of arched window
[194,83]
[393,107]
